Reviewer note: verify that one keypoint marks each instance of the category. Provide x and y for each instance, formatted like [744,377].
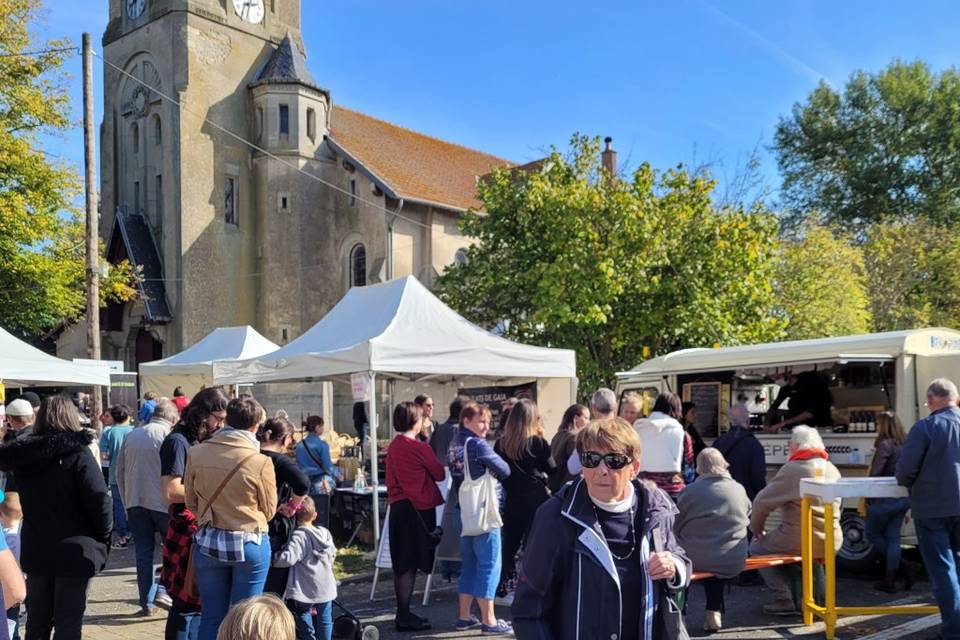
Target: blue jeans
[181,626]
[119,515]
[310,627]
[145,524]
[939,540]
[480,572]
[223,584]
[884,520]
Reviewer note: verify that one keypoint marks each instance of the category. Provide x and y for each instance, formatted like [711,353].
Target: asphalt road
[112,610]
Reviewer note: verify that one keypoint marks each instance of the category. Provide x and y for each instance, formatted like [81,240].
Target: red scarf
[808,454]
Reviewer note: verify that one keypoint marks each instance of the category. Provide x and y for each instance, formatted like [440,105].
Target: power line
[256,147]
[39,52]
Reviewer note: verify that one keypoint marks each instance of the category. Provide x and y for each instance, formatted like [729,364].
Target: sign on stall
[360,384]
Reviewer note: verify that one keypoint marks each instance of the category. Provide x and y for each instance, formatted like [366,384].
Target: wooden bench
[755,562]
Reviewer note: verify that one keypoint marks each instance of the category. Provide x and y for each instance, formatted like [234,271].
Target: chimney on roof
[609,157]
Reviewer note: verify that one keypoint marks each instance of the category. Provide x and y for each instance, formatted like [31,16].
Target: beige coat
[249,499]
[783,492]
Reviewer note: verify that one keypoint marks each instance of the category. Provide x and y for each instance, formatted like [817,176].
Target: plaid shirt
[177,545]
[223,545]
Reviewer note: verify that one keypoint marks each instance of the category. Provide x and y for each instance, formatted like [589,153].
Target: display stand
[826,493]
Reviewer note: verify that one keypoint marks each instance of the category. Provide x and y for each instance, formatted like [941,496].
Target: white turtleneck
[628,502]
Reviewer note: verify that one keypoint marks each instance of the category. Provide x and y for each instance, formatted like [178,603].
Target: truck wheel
[857,553]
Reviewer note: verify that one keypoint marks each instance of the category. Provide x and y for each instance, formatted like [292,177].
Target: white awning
[23,365]
[397,328]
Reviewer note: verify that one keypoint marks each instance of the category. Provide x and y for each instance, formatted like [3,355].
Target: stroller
[347,626]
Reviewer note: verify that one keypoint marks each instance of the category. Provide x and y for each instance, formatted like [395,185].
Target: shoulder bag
[190,579]
[479,505]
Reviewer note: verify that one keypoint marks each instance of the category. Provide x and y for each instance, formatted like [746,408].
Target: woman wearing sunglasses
[591,569]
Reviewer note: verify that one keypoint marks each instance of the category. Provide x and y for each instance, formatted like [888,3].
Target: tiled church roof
[287,65]
[415,166]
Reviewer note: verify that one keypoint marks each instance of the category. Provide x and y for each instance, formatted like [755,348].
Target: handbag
[479,504]
[190,578]
[319,462]
[435,535]
[668,621]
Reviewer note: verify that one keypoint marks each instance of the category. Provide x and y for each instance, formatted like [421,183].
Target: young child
[258,618]
[311,585]
[11,516]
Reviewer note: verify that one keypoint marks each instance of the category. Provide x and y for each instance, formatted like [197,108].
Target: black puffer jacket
[67,512]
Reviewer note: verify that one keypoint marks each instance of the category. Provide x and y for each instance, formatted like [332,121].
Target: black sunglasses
[614,461]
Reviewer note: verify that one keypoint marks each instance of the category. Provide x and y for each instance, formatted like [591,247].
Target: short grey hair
[740,415]
[943,388]
[166,410]
[604,401]
[712,461]
[804,437]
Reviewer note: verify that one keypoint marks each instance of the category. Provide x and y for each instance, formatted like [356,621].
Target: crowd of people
[592,534]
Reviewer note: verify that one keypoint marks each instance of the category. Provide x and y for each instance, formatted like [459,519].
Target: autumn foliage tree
[569,256]
[41,238]
[821,284]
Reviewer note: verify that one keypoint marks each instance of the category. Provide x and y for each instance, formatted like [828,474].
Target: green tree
[41,240]
[568,256]
[821,285]
[912,275]
[887,147]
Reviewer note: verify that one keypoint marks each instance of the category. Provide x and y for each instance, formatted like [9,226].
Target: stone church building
[272,233]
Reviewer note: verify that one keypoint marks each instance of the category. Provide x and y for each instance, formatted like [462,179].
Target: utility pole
[93,226]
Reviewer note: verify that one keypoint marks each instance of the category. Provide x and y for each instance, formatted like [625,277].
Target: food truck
[862,375]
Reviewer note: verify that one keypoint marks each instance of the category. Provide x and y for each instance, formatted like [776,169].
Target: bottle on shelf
[872,422]
[855,456]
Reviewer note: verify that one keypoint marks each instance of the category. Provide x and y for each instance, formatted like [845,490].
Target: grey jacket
[309,553]
[929,465]
[138,467]
[712,525]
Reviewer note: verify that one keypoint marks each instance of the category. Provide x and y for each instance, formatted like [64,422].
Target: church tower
[179,194]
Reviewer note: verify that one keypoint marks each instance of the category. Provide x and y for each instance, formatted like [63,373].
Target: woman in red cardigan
[412,475]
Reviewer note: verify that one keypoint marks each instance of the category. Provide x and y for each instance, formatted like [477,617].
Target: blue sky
[682,81]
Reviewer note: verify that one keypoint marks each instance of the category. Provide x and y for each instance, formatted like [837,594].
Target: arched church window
[284,120]
[259,124]
[135,137]
[312,125]
[358,266]
[157,131]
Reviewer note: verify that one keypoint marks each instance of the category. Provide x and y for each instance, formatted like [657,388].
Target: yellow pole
[830,560]
[806,552]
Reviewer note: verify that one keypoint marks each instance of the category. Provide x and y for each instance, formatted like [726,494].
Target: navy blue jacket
[569,586]
[744,453]
[929,465]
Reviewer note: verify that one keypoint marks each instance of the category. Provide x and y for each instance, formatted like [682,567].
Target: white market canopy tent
[192,368]
[400,329]
[23,365]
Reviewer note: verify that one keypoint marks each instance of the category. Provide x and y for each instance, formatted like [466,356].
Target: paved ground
[112,611]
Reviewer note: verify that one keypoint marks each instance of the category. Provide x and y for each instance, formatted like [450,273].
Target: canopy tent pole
[374,479]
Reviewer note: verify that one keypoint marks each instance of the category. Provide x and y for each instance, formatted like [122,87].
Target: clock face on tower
[135,8]
[250,10]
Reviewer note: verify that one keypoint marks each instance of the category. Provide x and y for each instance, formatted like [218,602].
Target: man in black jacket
[929,466]
[443,433]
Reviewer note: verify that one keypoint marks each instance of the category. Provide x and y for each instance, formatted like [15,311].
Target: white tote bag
[479,506]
